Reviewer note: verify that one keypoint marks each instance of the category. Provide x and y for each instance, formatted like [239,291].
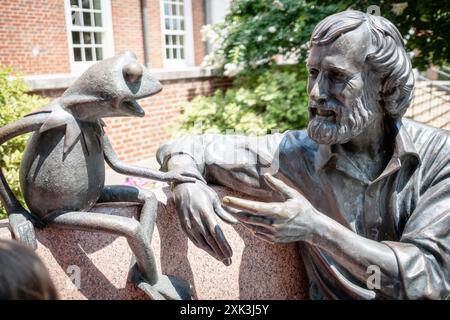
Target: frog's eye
[132,72]
[313,73]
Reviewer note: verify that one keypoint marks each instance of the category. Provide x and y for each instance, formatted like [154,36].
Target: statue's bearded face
[343,94]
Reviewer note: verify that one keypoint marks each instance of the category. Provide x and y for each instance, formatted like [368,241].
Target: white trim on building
[89,32]
[177,33]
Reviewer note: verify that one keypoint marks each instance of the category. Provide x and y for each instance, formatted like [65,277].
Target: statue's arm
[11,130]
[234,161]
[124,168]
[21,221]
[372,262]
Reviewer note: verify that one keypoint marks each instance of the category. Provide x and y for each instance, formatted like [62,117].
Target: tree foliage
[256,33]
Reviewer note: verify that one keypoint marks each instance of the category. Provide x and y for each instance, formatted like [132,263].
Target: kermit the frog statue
[63,172]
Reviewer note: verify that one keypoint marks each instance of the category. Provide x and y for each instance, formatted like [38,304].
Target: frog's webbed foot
[166,288]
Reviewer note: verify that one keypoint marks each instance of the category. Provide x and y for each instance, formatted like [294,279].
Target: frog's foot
[166,288]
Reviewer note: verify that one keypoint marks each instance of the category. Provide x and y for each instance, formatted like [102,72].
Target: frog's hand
[167,288]
[22,228]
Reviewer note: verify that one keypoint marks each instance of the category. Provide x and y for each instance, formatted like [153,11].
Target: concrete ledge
[64,80]
[260,270]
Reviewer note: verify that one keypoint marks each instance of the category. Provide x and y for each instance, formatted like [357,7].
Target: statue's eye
[313,73]
[337,75]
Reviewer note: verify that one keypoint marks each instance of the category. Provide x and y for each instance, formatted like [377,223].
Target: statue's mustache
[327,105]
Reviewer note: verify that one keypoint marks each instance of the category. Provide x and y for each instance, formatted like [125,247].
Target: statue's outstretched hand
[198,207]
[22,228]
[293,220]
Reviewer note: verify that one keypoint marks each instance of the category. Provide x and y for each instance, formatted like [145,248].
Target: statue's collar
[58,117]
[404,149]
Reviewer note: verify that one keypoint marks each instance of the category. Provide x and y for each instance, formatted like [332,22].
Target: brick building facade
[51,42]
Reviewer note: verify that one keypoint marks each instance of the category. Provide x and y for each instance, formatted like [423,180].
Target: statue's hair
[387,56]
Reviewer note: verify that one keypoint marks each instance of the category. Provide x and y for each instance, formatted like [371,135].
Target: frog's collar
[59,116]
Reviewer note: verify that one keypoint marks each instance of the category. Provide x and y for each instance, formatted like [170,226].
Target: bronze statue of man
[364,190]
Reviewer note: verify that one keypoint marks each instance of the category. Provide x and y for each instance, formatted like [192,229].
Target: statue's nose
[133,72]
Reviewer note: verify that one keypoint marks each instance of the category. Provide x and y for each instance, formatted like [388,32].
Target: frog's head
[110,88]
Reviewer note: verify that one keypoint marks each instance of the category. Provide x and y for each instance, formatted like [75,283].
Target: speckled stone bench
[260,270]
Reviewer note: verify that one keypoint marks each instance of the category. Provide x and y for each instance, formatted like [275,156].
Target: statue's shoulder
[422,134]
[298,141]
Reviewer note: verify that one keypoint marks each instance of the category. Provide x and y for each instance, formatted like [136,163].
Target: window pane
[77,54]
[85,4]
[87,19]
[182,24]
[166,9]
[174,24]
[167,53]
[182,40]
[76,18]
[98,38]
[74,3]
[166,39]
[98,19]
[99,53]
[181,53]
[174,53]
[97,4]
[167,23]
[88,54]
[87,38]
[76,38]
[181,10]
[174,9]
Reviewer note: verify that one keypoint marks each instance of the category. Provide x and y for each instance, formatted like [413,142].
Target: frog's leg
[143,272]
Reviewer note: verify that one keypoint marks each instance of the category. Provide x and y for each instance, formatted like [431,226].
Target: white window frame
[189,58]
[78,67]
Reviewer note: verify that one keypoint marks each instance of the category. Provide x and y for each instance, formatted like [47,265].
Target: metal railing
[431,102]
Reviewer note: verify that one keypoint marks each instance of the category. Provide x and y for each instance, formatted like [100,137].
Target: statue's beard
[348,122]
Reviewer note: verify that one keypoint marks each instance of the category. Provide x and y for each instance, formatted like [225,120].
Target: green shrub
[273,99]
[14,104]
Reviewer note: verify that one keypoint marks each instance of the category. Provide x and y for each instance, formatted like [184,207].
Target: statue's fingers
[184,178]
[224,215]
[256,207]
[195,175]
[216,235]
[201,243]
[280,186]
[248,218]
[258,229]
[223,244]
[265,237]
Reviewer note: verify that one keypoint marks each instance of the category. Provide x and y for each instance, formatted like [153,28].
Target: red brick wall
[197,23]
[25,24]
[28,24]
[155,33]
[127,27]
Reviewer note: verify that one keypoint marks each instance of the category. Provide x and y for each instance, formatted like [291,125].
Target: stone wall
[260,270]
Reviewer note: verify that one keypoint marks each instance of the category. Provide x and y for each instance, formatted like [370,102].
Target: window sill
[64,80]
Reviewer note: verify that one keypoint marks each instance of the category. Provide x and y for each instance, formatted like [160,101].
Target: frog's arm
[21,221]
[124,168]
[27,124]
